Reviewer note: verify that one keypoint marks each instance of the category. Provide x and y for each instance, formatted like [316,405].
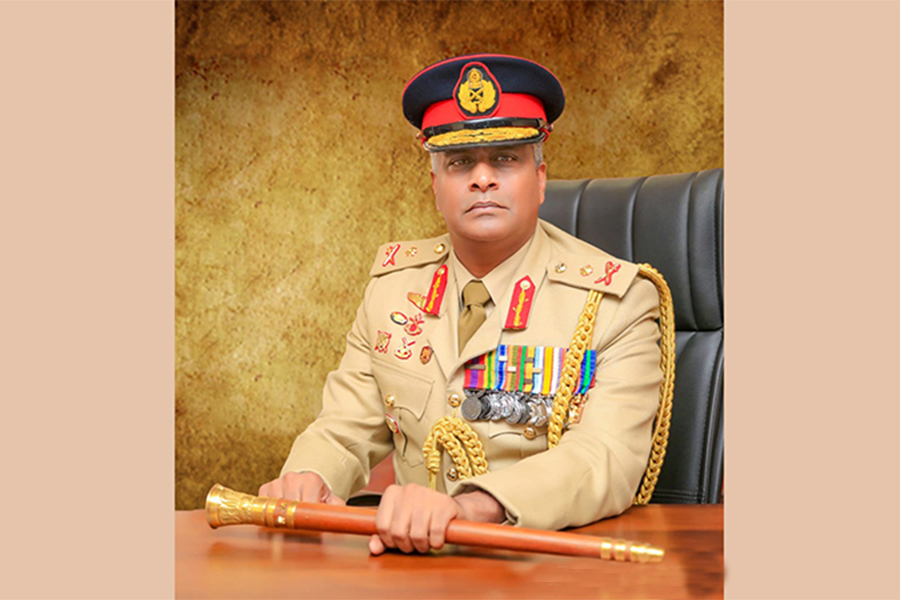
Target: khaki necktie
[475,296]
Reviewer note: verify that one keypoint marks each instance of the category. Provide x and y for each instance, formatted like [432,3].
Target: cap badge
[477,92]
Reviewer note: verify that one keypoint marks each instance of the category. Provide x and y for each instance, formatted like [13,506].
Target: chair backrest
[674,223]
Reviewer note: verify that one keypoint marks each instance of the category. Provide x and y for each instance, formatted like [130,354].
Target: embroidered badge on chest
[414,325]
[381,344]
[418,300]
[404,352]
[425,354]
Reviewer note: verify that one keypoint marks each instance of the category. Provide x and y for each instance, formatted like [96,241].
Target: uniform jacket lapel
[442,336]
[490,334]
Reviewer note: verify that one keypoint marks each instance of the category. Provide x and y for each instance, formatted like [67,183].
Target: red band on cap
[521,106]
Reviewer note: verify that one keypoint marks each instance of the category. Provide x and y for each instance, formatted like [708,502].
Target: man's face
[489,194]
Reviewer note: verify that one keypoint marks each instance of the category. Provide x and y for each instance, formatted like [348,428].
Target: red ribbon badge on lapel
[436,291]
[391,254]
[520,307]
[611,269]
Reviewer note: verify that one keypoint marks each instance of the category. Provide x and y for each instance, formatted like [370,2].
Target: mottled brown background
[294,162]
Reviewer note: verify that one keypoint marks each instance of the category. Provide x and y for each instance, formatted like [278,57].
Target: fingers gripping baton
[227,507]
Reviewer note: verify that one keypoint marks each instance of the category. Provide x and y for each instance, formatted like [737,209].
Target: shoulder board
[600,272]
[400,255]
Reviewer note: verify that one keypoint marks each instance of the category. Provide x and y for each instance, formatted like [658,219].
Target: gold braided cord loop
[461,443]
[666,388]
[572,367]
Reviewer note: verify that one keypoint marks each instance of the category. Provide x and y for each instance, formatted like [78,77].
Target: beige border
[88,296]
[88,303]
[811,162]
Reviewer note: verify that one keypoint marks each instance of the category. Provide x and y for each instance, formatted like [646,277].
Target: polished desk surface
[246,561]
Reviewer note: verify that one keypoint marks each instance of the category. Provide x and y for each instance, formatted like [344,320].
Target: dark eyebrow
[450,154]
[507,150]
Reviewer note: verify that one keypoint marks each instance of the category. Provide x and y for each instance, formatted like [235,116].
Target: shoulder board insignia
[400,255]
[603,273]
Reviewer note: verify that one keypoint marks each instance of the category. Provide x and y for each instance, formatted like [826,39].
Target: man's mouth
[483,205]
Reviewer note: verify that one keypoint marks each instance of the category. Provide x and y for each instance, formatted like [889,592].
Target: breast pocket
[516,441]
[405,395]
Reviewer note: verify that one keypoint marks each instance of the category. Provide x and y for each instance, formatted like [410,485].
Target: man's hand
[412,517]
[305,487]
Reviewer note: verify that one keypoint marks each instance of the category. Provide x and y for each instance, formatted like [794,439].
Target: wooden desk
[245,561]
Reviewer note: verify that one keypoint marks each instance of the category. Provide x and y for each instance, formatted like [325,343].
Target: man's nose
[483,178]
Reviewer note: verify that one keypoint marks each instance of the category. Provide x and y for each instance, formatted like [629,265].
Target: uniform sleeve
[597,466]
[349,434]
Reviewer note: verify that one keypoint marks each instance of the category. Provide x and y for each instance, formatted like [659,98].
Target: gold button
[439,248]
[453,399]
[392,423]
[389,400]
[586,270]
[530,432]
[452,475]
[561,267]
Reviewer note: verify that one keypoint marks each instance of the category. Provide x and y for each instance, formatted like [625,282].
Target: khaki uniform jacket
[597,467]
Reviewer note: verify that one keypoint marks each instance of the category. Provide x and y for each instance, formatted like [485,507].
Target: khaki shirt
[597,467]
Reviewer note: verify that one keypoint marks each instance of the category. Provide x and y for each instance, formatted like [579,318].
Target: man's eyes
[463,161]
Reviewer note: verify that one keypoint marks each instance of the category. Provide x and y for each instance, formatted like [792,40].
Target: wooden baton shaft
[227,507]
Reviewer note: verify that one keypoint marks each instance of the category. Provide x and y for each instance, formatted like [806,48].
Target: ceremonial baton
[228,507]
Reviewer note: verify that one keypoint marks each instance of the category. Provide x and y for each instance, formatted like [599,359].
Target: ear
[434,191]
[542,180]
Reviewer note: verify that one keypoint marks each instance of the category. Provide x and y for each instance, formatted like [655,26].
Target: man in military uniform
[465,344]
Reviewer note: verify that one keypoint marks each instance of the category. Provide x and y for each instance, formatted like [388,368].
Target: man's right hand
[305,487]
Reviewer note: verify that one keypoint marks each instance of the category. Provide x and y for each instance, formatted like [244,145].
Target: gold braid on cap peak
[467,451]
[476,136]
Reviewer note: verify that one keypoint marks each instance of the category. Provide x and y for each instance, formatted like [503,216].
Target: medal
[519,383]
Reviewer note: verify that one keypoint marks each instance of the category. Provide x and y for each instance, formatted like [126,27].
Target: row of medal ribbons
[518,383]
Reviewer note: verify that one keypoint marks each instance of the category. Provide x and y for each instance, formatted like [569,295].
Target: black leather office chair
[674,223]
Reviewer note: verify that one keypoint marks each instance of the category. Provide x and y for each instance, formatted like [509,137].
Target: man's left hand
[415,518]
